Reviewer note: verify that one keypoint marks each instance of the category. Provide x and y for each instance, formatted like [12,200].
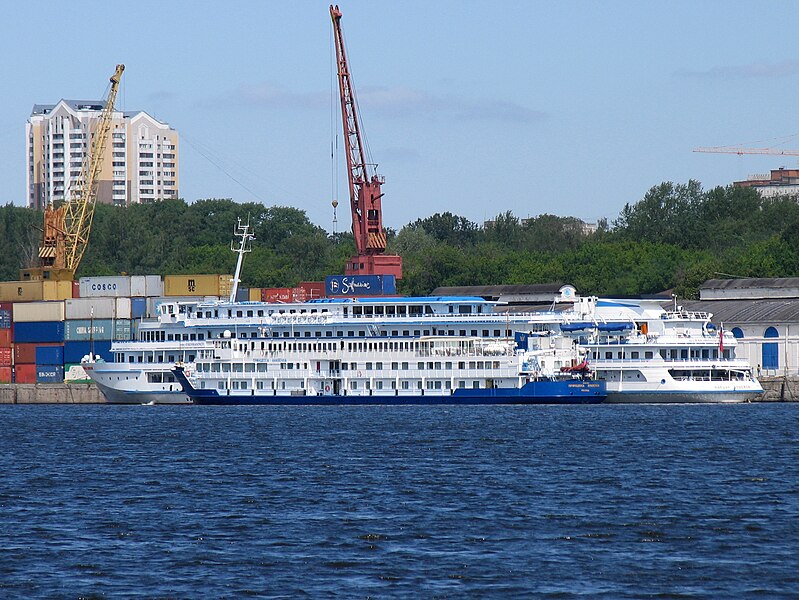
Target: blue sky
[473,107]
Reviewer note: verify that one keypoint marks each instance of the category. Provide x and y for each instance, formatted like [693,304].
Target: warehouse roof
[778,310]
[753,282]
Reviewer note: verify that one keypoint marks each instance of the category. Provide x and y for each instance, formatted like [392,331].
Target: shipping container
[276,295]
[56,290]
[298,294]
[76,289]
[197,285]
[74,373]
[243,294]
[122,308]
[21,291]
[87,308]
[88,329]
[138,286]
[123,330]
[25,353]
[117,285]
[138,308]
[6,357]
[313,289]
[38,311]
[49,355]
[49,373]
[6,374]
[6,318]
[360,285]
[255,295]
[154,286]
[42,331]
[6,338]
[25,373]
[75,351]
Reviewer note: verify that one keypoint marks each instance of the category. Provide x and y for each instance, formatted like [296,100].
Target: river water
[603,501]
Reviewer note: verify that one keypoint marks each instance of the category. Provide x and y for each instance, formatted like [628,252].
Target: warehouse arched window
[736,331]
[771,355]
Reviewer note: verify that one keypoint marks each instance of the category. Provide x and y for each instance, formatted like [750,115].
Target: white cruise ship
[643,352]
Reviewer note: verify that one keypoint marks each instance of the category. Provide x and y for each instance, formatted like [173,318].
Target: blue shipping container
[360,285]
[75,351]
[138,307]
[38,331]
[50,374]
[49,355]
[5,319]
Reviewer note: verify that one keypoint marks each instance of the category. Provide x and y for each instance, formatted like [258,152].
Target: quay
[50,393]
[776,389]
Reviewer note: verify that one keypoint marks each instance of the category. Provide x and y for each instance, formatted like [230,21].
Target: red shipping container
[6,306]
[5,374]
[25,374]
[276,295]
[313,289]
[26,353]
[298,295]
[6,338]
[5,357]
[76,289]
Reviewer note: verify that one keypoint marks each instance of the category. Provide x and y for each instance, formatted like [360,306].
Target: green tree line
[676,237]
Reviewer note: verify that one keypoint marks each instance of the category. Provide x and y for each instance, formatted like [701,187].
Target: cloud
[408,102]
[785,68]
[396,102]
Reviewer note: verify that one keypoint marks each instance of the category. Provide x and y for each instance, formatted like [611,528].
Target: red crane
[365,189]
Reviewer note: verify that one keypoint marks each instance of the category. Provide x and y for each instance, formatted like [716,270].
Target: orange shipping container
[25,374]
[6,337]
[197,285]
[26,353]
[276,295]
[5,374]
[5,357]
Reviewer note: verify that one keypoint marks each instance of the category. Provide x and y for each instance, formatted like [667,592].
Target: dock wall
[777,389]
[50,393]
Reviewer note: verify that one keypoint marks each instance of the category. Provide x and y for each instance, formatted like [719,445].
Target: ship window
[379,366]
[437,365]
[249,313]
[405,366]
[353,385]
[496,333]
[130,359]
[368,366]
[215,367]
[235,385]
[462,384]
[259,385]
[416,332]
[395,365]
[221,385]
[634,354]
[609,355]
[485,332]
[249,368]
[447,365]
[420,366]
[438,385]
[226,367]
[405,385]
[244,385]
[475,384]
[648,355]
[401,311]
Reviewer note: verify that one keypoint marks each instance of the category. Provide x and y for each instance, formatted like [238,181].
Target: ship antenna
[243,232]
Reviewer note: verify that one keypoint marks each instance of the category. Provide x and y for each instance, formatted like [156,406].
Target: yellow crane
[65,234]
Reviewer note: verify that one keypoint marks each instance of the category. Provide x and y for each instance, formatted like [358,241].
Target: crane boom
[741,151]
[65,234]
[79,211]
[365,190]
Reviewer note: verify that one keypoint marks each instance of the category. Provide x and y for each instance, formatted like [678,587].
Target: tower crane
[739,150]
[65,234]
[364,183]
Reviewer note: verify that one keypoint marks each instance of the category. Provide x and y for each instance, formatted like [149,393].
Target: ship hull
[534,392]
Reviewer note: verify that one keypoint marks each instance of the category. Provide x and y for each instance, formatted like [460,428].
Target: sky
[566,108]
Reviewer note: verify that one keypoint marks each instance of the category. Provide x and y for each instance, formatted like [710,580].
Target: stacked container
[38,336]
[6,339]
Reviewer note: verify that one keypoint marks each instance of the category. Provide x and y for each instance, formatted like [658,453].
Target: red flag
[721,341]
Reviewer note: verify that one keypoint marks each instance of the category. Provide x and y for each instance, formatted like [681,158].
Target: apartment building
[140,163]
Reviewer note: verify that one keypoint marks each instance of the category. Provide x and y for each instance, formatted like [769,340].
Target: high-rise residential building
[140,163]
